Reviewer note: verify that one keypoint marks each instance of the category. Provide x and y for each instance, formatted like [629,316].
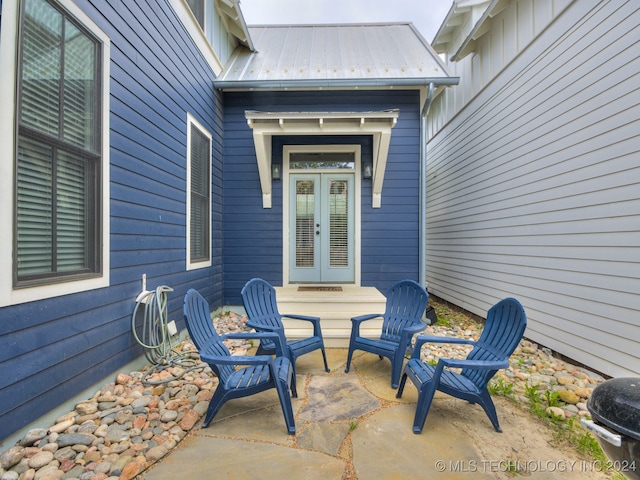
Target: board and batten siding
[533,190]
[511,31]
[56,348]
[253,235]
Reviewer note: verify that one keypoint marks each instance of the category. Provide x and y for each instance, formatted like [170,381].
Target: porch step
[335,309]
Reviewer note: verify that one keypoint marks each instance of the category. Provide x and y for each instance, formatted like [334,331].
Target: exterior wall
[512,31]
[55,348]
[533,189]
[253,235]
[222,42]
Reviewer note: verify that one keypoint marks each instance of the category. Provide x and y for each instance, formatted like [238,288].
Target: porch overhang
[267,124]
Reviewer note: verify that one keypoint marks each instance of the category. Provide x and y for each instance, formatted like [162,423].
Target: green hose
[154,335]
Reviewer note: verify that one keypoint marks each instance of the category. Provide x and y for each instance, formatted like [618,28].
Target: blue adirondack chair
[406,303]
[239,376]
[259,299]
[503,330]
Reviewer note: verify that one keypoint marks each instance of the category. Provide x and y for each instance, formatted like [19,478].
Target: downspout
[423,186]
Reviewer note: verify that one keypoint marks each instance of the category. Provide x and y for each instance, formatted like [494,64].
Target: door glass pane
[305,205]
[338,223]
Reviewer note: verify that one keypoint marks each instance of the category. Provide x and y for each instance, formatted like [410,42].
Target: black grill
[615,411]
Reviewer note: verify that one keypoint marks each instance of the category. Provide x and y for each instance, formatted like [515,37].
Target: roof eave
[443,40]
[231,15]
[334,83]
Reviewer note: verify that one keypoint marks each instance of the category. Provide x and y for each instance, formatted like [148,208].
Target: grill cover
[616,404]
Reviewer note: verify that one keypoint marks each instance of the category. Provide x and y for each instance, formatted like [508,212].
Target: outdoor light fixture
[275,171]
[367,170]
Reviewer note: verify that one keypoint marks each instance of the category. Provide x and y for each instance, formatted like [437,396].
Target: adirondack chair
[406,302]
[259,299]
[503,330]
[239,376]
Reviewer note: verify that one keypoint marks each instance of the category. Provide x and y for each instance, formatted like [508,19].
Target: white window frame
[8,67]
[191,123]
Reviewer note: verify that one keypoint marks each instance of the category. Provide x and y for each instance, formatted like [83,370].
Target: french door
[321,228]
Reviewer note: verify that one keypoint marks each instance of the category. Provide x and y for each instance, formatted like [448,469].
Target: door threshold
[319,288]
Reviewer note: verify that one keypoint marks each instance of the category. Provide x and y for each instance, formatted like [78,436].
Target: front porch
[335,305]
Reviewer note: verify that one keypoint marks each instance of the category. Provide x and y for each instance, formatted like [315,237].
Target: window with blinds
[200,195]
[58,161]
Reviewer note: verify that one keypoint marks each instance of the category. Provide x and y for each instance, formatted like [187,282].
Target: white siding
[218,36]
[533,187]
[511,31]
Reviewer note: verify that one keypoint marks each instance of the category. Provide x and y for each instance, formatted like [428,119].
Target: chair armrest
[422,339]
[274,337]
[236,360]
[317,332]
[410,331]
[475,364]
[416,327]
[369,316]
[295,316]
[356,321]
[436,339]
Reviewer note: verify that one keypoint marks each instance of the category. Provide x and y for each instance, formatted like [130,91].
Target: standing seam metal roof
[325,55]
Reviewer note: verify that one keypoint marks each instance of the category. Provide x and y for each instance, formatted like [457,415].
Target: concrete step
[335,307]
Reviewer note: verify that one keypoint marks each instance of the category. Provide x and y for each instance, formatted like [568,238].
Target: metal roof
[347,55]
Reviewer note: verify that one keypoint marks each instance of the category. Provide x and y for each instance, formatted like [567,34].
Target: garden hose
[152,333]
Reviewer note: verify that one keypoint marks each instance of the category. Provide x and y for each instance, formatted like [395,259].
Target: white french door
[321,227]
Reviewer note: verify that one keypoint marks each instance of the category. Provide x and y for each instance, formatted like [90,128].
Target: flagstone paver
[337,398]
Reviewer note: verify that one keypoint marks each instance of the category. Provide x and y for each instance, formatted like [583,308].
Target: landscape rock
[32,437]
[11,457]
[40,459]
[555,412]
[568,397]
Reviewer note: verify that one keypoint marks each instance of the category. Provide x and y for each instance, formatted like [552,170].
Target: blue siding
[55,348]
[253,235]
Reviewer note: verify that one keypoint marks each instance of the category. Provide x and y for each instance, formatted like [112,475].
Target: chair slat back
[503,330]
[406,303]
[259,300]
[197,317]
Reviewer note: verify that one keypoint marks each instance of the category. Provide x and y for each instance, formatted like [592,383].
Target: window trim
[9,295]
[193,123]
